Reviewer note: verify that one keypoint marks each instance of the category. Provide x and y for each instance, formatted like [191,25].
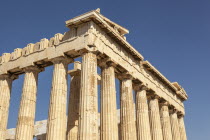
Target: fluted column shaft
[56,125]
[5,92]
[183,135]
[88,112]
[142,115]
[109,123]
[174,125]
[73,107]
[165,121]
[127,114]
[26,116]
[155,124]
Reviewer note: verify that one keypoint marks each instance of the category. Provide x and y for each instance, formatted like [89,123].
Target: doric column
[127,114]
[88,111]
[183,135]
[155,124]
[26,116]
[142,115]
[165,120]
[5,93]
[56,125]
[73,107]
[109,122]
[174,124]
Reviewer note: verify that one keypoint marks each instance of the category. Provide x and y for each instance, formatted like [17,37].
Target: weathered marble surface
[96,39]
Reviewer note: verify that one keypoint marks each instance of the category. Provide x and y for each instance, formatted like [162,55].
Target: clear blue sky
[173,35]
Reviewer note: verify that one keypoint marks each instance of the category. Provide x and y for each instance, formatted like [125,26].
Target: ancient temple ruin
[156,114]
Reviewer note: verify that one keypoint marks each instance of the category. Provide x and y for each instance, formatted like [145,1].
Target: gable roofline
[107,25]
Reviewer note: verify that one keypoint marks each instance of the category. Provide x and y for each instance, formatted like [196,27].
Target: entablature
[124,62]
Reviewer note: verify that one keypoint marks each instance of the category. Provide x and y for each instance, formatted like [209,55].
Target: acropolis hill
[157,113]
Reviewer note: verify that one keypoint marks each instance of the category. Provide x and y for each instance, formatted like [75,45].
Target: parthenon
[151,107]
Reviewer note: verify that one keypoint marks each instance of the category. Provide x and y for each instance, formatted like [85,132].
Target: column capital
[106,62]
[33,69]
[180,114]
[8,76]
[163,102]
[140,87]
[60,59]
[125,75]
[153,96]
[85,51]
[172,110]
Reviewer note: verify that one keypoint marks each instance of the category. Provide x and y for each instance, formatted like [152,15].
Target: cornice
[173,86]
[180,91]
[162,78]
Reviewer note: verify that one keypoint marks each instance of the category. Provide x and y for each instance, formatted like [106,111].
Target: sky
[173,35]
